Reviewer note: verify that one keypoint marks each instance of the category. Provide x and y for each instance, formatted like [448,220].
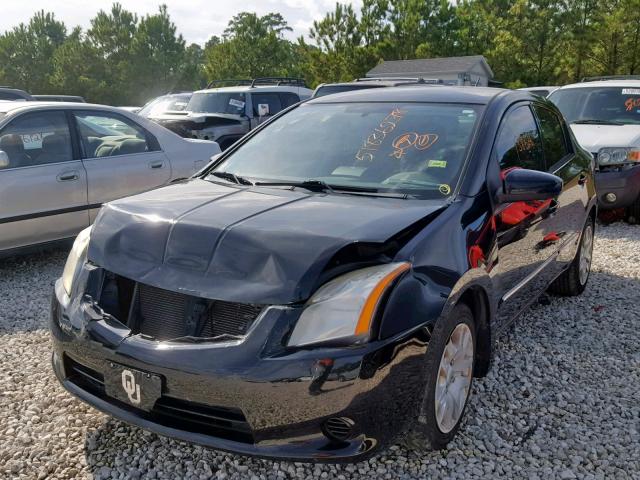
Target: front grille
[167,315]
[222,422]
[162,312]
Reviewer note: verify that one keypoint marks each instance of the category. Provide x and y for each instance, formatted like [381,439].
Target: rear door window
[287,99]
[271,99]
[109,135]
[37,138]
[554,142]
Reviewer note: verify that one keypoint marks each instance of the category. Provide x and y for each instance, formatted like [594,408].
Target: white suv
[226,113]
[605,118]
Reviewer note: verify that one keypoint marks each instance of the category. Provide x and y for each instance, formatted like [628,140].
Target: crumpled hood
[251,245]
[595,137]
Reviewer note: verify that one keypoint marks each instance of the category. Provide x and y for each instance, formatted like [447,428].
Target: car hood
[251,245]
[595,137]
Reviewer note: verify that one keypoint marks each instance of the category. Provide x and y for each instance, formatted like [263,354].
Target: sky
[196,20]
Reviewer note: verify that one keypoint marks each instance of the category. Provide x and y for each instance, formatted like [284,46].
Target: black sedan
[334,280]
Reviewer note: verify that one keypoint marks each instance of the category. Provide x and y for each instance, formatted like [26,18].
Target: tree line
[124,59]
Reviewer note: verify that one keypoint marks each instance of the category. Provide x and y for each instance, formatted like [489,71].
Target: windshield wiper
[321,186]
[312,185]
[594,121]
[233,177]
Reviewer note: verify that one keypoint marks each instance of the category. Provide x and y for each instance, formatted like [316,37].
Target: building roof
[430,66]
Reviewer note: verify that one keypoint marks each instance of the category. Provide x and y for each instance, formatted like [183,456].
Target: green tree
[79,69]
[157,55]
[251,46]
[26,52]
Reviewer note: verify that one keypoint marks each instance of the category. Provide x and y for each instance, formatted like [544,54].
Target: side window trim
[152,142]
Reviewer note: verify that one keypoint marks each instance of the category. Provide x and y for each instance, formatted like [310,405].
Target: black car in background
[15,94]
[335,279]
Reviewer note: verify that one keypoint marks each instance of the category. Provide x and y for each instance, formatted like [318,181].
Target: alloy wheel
[454,378]
[586,254]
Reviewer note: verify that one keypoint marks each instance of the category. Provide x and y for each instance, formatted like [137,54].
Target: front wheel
[450,360]
[573,281]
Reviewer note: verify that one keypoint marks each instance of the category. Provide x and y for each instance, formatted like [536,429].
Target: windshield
[329,89]
[160,105]
[411,148]
[217,102]
[599,104]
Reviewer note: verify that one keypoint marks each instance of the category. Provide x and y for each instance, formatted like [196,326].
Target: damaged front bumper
[252,395]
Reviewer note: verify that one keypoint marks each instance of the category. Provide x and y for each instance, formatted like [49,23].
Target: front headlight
[618,155]
[344,308]
[76,259]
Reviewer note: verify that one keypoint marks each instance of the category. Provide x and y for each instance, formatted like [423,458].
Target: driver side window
[518,143]
[37,138]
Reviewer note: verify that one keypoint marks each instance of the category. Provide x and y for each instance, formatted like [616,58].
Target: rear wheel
[450,361]
[573,281]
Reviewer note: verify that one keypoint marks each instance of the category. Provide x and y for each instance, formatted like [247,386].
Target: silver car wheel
[454,378]
[586,254]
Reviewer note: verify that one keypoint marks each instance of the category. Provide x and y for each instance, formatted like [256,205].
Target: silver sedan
[59,162]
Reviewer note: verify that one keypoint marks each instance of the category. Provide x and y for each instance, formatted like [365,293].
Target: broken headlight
[343,309]
[76,259]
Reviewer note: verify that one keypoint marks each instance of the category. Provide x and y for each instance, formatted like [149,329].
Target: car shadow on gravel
[543,406]
[26,285]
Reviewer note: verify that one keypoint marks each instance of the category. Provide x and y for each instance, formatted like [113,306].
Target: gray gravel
[562,400]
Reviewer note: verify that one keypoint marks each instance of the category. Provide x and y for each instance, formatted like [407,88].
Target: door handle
[582,179]
[68,176]
[158,164]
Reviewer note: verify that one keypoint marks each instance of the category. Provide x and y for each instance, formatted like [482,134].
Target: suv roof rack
[611,77]
[291,81]
[229,82]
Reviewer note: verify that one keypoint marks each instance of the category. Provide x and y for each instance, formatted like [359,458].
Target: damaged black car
[335,280]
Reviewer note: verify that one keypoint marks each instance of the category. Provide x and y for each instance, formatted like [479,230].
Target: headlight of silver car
[344,308]
[618,155]
[76,259]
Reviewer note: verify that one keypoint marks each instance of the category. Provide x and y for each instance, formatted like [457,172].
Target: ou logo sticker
[131,388]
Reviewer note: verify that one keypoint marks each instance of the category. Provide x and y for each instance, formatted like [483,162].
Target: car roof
[248,88]
[603,83]
[6,107]
[418,93]
[541,87]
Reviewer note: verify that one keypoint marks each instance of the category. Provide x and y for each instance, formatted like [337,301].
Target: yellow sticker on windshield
[444,189]
[437,163]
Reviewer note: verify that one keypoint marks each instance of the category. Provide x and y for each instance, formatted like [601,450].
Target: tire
[572,282]
[632,212]
[429,432]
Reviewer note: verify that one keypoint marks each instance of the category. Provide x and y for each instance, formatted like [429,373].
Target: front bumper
[278,401]
[625,184]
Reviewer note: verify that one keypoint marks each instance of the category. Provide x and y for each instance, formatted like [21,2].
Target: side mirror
[4,160]
[522,185]
[263,109]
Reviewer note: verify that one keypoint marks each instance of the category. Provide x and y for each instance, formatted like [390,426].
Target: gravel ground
[562,399]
